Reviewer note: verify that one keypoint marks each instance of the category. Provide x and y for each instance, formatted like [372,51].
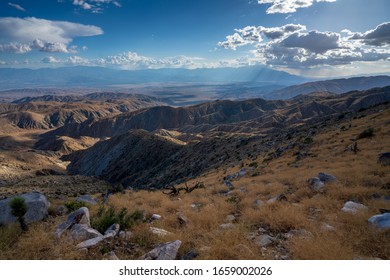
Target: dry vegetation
[309,225]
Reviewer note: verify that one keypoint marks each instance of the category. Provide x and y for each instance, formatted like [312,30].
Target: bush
[107,217]
[368,133]
[74,205]
[19,209]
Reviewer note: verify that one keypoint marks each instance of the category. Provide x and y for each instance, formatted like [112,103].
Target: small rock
[259,202]
[316,184]
[190,255]
[264,240]
[280,197]
[230,218]
[112,231]
[165,251]
[155,217]
[301,233]
[90,242]
[324,177]
[229,185]
[327,227]
[182,219]
[226,226]
[61,210]
[111,256]
[381,221]
[87,199]
[384,159]
[353,207]
[160,232]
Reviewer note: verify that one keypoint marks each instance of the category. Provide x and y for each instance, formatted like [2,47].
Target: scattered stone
[125,235]
[280,197]
[190,255]
[165,251]
[264,240]
[384,159]
[353,207]
[381,221]
[327,227]
[160,232]
[259,202]
[111,256]
[90,242]
[61,210]
[80,216]
[37,206]
[230,218]
[197,205]
[80,232]
[229,184]
[87,199]
[155,217]
[261,230]
[226,226]
[324,177]
[112,231]
[182,219]
[300,233]
[316,184]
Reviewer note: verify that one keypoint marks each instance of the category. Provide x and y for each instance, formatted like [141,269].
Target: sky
[313,38]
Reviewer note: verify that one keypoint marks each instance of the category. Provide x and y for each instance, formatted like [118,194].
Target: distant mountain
[82,76]
[334,86]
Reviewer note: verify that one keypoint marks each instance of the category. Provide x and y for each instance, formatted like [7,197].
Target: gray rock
[165,251]
[36,203]
[264,240]
[155,217]
[229,184]
[160,232]
[80,216]
[87,199]
[353,207]
[125,235]
[112,231]
[226,226]
[190,255]
[80,232]
[112,256]
[301,233]
[90,242]
[316,184]
[182,219]
[230,218]
[259,202]
[380,221]
[324,177]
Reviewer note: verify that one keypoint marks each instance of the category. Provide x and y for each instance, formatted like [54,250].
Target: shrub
[19,209]
[368,133]
[74,205]
[107,217]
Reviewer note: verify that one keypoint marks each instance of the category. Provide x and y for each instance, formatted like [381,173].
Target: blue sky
[305,37]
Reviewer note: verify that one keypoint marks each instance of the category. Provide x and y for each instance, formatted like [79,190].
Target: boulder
[325,177]
[112,231]
[80,216]
[37,206]
[353,207]
[87,199]
[165,251]
[316,184]
[80,232]
[90,242]
[381,221]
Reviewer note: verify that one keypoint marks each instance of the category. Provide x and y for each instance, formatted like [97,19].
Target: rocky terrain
[304,178]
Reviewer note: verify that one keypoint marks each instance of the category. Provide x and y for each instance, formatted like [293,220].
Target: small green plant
[74,205]
[368,133]
[19,209]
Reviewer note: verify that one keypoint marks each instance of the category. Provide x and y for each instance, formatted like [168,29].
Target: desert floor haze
[195,130]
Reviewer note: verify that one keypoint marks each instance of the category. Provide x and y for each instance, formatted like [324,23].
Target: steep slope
[336,86]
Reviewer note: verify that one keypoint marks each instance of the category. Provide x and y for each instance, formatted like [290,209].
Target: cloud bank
[288,6]
[22,35]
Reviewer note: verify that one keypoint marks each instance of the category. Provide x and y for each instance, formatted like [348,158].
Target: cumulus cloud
[50,59]
[288,6]
[21,35]
[17,6]
[95,6]
[294,46]
[380,36]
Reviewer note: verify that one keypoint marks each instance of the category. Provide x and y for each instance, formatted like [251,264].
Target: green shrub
[108,216]
[368,133]
[19,209]
[74,205]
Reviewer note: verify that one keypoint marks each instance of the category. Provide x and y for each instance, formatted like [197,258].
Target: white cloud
[21,35]
[288,6]
[292,46]
[95,6]
[50,59]
[17,6]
